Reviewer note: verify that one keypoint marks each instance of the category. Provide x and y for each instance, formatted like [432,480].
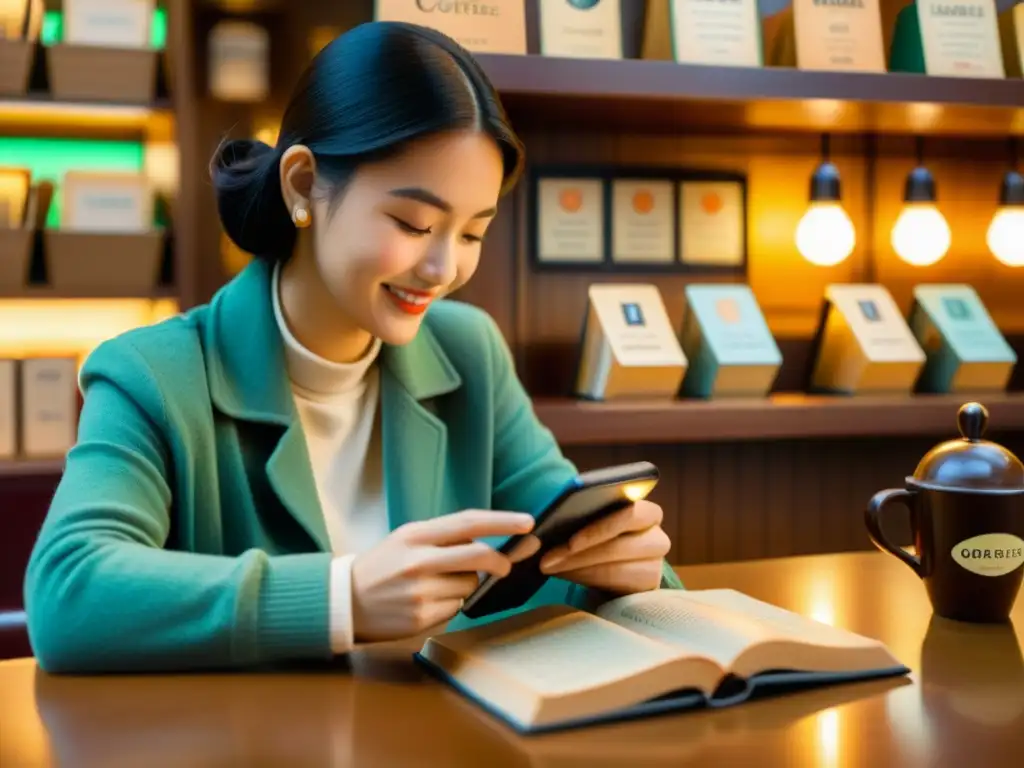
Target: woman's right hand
[420,574]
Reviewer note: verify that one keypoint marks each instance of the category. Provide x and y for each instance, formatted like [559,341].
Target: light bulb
[1005,236]
[825,235]
[921,235]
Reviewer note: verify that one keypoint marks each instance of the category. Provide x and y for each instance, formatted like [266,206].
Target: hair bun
[247,181]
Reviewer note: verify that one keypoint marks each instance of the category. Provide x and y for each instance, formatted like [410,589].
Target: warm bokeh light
[37,326]
[1005,236]
[825,235]
[921,235]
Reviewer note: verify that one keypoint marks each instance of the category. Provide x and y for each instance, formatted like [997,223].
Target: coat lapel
[415,439]
[249,382]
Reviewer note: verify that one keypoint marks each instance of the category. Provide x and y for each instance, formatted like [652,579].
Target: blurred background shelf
[46,292]
[18,468]
[663,96]
[780,417]
[39,114]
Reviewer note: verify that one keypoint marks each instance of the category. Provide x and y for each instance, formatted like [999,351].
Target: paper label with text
[990,554]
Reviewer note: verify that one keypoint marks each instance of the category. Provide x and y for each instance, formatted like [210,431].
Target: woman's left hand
[622,553]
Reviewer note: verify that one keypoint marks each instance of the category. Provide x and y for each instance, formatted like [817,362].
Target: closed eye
[409,228]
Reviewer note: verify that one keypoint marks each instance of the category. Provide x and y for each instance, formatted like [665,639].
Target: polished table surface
[962,706]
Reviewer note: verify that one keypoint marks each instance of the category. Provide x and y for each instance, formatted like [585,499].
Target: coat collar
[245,354]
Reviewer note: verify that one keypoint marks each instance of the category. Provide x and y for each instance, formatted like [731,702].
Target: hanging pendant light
[921,235]
[825,235]
[1005,237]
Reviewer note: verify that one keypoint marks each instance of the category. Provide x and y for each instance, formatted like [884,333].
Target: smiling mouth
[409,301]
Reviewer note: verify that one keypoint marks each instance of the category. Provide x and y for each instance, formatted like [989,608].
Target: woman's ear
[298,172]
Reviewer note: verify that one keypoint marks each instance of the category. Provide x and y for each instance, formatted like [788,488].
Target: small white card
[107,202]
[8,409]
[643,221]
[589,29]
[712,223]
[49,413]
[570,220]
[636,325]
[961,38]
[725,33]
[108,23]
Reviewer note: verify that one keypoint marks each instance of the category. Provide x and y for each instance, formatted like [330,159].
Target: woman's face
[406,231]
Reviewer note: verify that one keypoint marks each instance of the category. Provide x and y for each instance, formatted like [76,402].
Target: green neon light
[49,159]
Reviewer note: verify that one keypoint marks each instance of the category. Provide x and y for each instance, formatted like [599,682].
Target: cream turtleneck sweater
[337,407]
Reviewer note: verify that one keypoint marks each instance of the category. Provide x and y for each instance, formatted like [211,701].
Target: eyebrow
[426,196]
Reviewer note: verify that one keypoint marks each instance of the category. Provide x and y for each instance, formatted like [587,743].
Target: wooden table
[963,705]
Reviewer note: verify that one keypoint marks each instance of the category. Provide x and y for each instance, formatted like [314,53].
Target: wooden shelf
[30,468]
[662,96]
[45,292]
[780,417]
[39,114]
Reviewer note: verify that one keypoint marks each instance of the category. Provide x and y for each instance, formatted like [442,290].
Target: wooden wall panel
[747,500]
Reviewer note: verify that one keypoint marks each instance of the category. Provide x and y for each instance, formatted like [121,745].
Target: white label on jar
[990,554]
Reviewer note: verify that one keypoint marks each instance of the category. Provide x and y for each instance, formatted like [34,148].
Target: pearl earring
[300,217]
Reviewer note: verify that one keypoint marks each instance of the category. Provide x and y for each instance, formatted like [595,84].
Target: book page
[743,634]
[686,624]
[556,663]
[563,653]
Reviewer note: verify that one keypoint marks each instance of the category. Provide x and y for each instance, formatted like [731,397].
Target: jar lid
[970,462]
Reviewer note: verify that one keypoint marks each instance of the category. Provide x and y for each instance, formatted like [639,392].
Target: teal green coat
[186,531]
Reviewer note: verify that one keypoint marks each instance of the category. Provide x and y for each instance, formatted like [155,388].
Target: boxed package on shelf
[107,240]
[20,21]
[105,53]
[38,407]
[8,409]
[17,221]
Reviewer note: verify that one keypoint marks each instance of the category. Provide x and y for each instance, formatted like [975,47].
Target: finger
[437,612]
[465,526]
[620,578]
[636,517]
[459,558]
[527,547]
[652,543]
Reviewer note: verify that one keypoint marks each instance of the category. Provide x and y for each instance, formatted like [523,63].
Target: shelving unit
[780,417]
[19,468]
[39,114]
[663,96]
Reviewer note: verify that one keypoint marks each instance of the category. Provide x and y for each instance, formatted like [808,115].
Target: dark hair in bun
[363,97]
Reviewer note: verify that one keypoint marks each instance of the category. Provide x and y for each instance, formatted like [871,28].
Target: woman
[301,465]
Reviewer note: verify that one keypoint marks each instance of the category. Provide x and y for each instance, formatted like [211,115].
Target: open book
[556,667]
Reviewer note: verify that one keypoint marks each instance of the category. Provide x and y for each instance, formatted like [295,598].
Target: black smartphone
[590,497]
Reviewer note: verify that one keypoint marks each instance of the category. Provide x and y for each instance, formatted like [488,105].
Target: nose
[439,267]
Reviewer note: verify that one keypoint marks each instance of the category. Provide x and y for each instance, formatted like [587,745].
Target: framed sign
[637,219]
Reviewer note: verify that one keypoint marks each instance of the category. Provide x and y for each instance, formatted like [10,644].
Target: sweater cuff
[293,615]
[342,631]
